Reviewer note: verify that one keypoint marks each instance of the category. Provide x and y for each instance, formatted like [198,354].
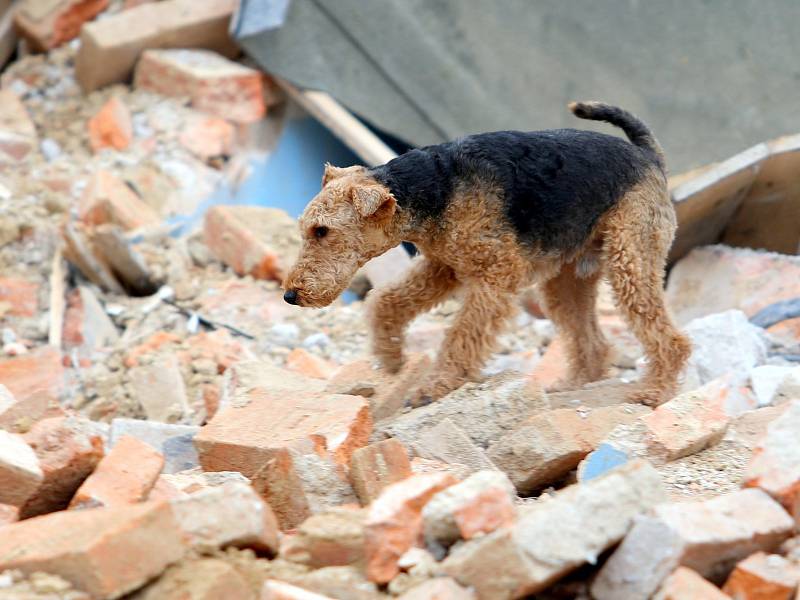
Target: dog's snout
[290,296]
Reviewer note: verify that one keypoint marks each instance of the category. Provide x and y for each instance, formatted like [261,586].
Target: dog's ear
[332,172]
[372,201]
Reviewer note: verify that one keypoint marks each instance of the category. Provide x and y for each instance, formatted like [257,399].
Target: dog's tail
[638,133]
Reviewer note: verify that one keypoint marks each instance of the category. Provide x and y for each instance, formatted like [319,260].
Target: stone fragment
[160,389]
[39,372]
[447,442]
[773,384]
[685,584]
[200,579]
[124,476]
[342,583]
[374,467]
[20,473]
[213,84]
[394,522]
[708,536]
[111,127]
[328,539]
[108,199]
[175,442]
[440,588]
[46,24]
[763,576]
[301,361]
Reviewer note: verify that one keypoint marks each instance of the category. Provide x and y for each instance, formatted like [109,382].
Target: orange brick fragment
[108,199]
[686,584]
[374,467]
[46,25]
[37,373]
[20,296]
[763,577]
[301,361]
[125,476]
[111,127]
[552,366]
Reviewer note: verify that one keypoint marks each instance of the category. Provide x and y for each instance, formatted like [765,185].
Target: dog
[491,214]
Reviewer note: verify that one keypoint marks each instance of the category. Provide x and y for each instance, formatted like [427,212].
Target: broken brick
[39,372]
[301,361]
[110,47]
[213,84]
[218,346]
[707,536]
[439,588]
[685,584]
[552,366]
[109,200]
[67,456]
[447,442]
[20,473]
[387,393]
[150,345]
[19,415]
[87,327]
[111,127]
[46,25]
[124,476]
[175,442]
[208,137]
[17,131]
[199,579]
[394,522]
[763,576]
[328,539]
[160,389]
[775,464]
[330,425]
[252,240]
[374,467]
[278,590]
[105,552]
[22,296]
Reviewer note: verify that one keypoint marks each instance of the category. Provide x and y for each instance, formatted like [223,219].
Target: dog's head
[349,222]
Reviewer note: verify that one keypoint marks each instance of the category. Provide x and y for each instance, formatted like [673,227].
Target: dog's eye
[320,232]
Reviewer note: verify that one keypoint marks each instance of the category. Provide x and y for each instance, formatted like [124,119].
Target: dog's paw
[651,397]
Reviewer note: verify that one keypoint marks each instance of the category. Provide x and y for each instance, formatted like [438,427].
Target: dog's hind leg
[570,299]
[390,309]
[637,237]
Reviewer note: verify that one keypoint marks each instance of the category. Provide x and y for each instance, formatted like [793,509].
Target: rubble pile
[170,428]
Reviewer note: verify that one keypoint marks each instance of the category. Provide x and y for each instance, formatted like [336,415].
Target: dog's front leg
[390,309]
[470,340]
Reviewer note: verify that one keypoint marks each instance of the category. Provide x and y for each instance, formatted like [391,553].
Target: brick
[299,485]
[196,480]
[374,467]
[200,579]
[422,466]
[22,296]
[110,47]
[302,361]
[218,346]
[440,588]
[387,393]
[708,536]
[230,515]
[20,473]
[111,127]
[713,279]
[17,132]
[8,514]
[685,584]
[763,576]
[549,445]
[124,476]
[330,425]
[19,416]
[329,539]
[213,84]
[68,452]
[449,443]
[46,24]
[775,464]
[107,199]
[394,522]
[164,490]
[278,590]
[208,137]
[252,240]
[87,327]
[688,423]
[552,366]
[150,345]
[175,442]
[159,389]
[478,505]
[40,372]
[105,552]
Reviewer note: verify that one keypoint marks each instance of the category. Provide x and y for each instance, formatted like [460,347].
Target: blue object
[601,461]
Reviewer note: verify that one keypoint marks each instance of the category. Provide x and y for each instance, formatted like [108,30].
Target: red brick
[218,346]
[109,200]
[278,590]
[685,584]
[35,373]
[87,327]
[387,393]
[394,522]
[124,476]
[106,552]
[110,47]
[21,295]
[252,240]
[374,467]
[207,137]
[46,25]
[111,127]
[20,472]
[67,456]
[212,397]
[763,577]
[213,84]
[301,361]
[150,345]
[775,464]
[552,366]
[8,514]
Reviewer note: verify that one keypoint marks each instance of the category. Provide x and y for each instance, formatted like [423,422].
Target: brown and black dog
[494,213]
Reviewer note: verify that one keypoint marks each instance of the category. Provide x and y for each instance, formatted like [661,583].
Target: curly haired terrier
[494,213]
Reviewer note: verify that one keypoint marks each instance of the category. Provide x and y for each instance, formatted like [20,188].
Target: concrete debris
[170,428]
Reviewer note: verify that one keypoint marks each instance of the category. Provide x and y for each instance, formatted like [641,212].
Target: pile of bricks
[171,429]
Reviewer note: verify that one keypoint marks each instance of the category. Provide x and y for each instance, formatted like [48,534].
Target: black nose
[290,296]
